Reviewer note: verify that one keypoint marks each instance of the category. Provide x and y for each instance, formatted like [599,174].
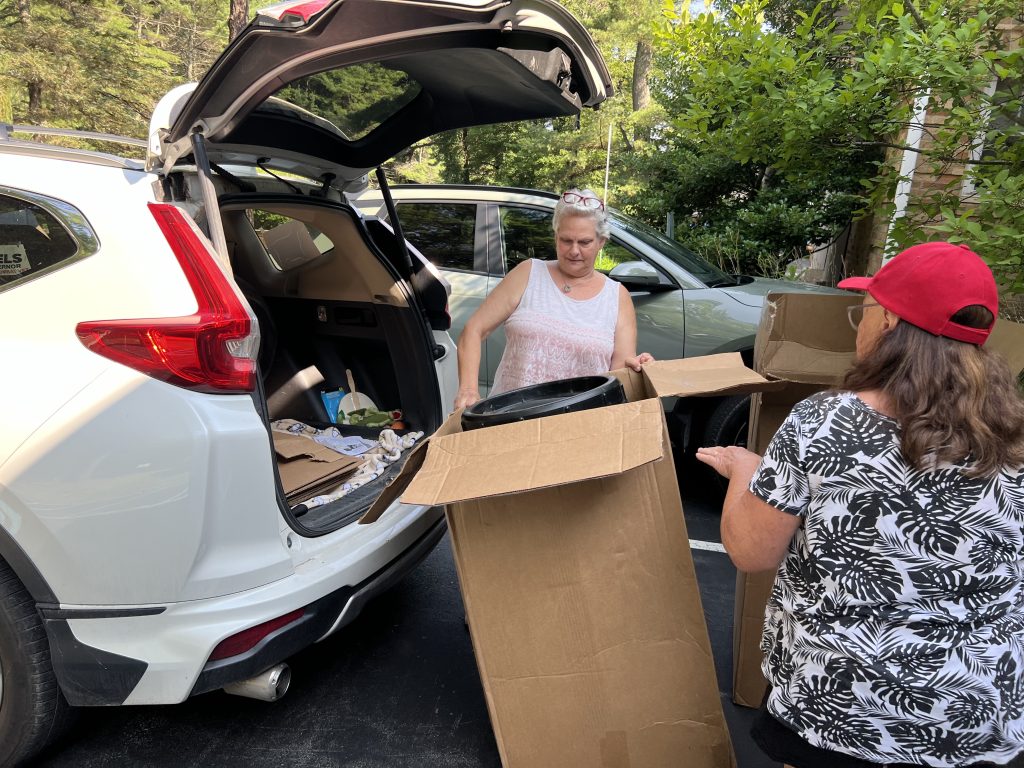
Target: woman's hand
[730,460]
[466,397]
[755,534]
[636,362]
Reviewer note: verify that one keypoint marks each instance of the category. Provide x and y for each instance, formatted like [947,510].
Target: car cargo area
[333,314]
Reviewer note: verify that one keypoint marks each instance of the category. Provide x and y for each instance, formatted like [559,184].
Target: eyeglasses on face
[856,313]
[573,198]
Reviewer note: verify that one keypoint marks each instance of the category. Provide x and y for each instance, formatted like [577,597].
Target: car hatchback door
[358,81]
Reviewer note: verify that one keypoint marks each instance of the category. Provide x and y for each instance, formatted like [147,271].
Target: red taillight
[212,350]
[248,638]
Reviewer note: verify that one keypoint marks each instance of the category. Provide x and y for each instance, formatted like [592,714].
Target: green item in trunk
[369,417]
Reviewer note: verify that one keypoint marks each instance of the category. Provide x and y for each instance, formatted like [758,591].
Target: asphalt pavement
[396,688]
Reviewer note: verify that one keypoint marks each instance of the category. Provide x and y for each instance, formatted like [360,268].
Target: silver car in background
[685,306]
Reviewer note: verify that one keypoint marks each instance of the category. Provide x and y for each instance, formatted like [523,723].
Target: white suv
[152,546]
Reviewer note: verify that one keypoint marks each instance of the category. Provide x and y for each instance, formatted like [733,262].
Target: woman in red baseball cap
[893,511]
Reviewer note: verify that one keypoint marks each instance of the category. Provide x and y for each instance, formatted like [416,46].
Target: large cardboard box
[805,342]
[575,568]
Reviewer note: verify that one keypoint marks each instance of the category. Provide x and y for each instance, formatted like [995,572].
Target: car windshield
[707,273]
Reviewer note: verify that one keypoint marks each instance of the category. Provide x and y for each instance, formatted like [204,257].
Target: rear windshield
[356,99]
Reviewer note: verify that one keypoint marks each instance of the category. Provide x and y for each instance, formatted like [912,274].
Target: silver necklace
[566,288]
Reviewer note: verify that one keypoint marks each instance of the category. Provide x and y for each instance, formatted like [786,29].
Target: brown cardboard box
[806,341]
[579,587]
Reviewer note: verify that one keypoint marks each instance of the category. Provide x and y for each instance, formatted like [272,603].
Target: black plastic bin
[547,399]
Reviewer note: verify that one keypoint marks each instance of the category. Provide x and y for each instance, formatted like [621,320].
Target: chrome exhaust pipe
[269,685]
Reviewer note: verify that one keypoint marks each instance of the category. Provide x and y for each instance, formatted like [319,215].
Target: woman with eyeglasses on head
[892,510]
[562,318]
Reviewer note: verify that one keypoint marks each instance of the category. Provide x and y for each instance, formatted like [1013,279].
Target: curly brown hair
[953,400]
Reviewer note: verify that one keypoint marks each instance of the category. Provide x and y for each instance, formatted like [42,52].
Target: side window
[443,232]
[289,242]
[32,241]
[526,234]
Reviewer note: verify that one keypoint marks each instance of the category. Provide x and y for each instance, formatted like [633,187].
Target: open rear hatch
[361,80]
[327,90]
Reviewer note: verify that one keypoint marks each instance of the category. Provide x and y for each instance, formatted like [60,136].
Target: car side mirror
[639,276]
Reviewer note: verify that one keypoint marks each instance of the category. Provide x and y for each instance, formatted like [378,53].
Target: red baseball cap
[929,283]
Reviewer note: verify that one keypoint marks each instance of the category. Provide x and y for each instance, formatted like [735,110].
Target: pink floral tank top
[551,336]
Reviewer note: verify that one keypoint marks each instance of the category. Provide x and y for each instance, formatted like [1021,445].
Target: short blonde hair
[598,215]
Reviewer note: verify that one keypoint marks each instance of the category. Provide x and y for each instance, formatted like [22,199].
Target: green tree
[839,89]
[102,64]
[193,32]
[555,154]
[79,64]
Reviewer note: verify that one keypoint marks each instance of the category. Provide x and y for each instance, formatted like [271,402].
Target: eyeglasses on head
[574,198]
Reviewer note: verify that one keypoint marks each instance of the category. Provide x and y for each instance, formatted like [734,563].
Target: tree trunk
[641,74]
[34,87]
[642,63]
[189,57]
[464,133]
[35,101]
[238,18]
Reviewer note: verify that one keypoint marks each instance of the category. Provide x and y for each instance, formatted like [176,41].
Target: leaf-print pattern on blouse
[895,628]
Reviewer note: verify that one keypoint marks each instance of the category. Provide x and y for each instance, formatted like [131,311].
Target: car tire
[729,423]
[547,399]
[33,711]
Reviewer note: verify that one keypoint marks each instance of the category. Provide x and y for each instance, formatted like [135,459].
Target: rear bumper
[159,654]
[319,619]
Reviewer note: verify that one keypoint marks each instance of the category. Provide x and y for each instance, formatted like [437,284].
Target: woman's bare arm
[755,534]
[624,353]
[495,310]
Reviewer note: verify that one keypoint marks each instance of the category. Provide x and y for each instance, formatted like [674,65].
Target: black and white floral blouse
[895,629]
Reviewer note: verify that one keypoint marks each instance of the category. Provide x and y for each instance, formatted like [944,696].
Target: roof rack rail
[488,187]
[6,129]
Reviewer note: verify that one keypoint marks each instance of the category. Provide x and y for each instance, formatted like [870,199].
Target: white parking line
[710,546]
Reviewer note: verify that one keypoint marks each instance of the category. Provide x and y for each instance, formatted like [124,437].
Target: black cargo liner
[352,506]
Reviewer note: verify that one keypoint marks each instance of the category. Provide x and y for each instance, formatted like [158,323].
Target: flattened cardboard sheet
[306,467]
[708,376]
[303,478]
[806,342]
[289,446]
[394,489]
[527,455]
[752,593]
